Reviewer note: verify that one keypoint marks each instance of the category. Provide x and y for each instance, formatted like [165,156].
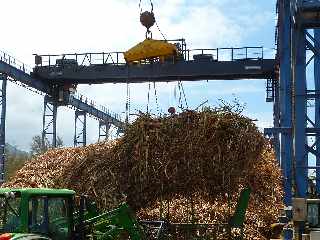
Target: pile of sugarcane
[187,167]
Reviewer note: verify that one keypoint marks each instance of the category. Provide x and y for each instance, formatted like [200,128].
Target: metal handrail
[117,58]
[228,54]
[93,103]
[15,62]
[84,59]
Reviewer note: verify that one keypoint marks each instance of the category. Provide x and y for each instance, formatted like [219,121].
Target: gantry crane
[296,131]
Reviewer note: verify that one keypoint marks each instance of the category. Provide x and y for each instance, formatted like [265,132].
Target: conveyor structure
[55,95]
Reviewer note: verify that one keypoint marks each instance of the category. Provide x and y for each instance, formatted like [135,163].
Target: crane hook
[147,19]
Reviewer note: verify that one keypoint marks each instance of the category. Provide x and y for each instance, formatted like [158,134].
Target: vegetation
[37,147]
[14,160]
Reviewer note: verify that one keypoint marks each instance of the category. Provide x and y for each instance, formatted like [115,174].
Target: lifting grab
[150,50]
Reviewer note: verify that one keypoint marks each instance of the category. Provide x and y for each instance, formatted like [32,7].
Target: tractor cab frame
[47,212]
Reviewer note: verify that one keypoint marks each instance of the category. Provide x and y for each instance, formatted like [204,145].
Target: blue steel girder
[317,103]
[285,99]
[313,44]
[306,12]
[300,111]
[159,72]
[23,77]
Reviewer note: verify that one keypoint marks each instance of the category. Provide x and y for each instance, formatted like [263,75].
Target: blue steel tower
[299,95]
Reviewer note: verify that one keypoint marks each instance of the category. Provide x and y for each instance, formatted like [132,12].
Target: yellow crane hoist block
[150,49]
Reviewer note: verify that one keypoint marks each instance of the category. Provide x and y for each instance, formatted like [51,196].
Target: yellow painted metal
[149,49]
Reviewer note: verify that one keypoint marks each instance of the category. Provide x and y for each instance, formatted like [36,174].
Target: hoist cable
[151,3]
[156,98]
[148,97]
[179,101]
[140,7]
[128,98]
[160,31]
[184,95]
[157,25]
[128,103]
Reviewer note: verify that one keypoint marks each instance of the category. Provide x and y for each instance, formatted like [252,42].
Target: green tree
[38,148]
[14,160]
[13,164]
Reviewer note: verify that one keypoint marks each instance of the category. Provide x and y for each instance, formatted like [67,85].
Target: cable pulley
[147,19]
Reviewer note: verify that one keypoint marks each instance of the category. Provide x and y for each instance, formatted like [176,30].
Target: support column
[317,103]
[80,137]
[276,119]
[49,124]
[285,95]
[300,113]
[104,128]
[3,105]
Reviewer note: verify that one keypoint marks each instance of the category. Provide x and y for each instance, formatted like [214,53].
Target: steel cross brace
[317,103]
[80,137]
[49,123]
[104,128]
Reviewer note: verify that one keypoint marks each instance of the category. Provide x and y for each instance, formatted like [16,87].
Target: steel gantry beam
[200,64]
[3,97]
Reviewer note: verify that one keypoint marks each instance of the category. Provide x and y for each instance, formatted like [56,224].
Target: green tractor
[55,214]
[27,214]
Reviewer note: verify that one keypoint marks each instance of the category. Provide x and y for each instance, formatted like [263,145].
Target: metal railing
[227,54]
[84,59]
[4,57]
[117,58]
[93,103]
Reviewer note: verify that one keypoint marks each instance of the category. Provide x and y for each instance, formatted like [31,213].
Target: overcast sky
[74,26]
